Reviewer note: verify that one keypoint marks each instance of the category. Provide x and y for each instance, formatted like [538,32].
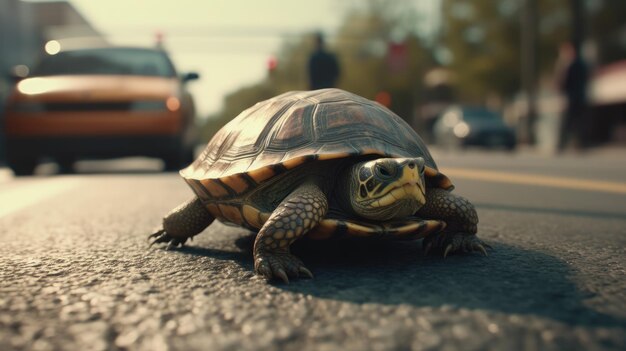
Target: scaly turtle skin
[320,164]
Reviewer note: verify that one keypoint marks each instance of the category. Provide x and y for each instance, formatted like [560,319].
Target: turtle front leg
[182,223]
[461,223]
[298,213]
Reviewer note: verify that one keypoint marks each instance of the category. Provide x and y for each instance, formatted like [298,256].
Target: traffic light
[272,63]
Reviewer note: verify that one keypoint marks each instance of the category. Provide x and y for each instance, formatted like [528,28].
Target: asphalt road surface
[76,274]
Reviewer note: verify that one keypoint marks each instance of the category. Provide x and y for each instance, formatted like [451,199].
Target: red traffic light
[272,62]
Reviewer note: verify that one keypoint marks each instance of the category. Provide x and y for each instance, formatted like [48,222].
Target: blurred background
[550,76]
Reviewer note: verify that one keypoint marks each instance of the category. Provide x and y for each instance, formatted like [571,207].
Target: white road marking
[536,180]
[32,192]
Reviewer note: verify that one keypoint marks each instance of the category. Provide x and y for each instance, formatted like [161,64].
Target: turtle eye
[384,171]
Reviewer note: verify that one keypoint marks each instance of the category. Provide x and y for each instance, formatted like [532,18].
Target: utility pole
[578,24]
[529,68]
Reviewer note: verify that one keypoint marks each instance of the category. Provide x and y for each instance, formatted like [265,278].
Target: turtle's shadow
[510,280]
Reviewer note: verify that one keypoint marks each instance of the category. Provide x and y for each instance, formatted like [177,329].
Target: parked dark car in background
[462,126]
[100,103]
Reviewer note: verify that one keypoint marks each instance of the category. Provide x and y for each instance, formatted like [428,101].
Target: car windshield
[115,61]
[480,114]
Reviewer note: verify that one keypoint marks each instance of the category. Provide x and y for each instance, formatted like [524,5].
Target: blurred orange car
[100,103]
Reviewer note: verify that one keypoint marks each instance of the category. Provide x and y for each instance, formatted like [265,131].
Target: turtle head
[386,188]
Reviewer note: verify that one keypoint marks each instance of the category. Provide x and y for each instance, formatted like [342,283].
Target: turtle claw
[305,272]
[482,249]
[282,265]
[280,273]
[450,243]
[265,271]
[156,236]
[161,236]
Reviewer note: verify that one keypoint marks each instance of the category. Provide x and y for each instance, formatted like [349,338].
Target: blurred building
[25,28]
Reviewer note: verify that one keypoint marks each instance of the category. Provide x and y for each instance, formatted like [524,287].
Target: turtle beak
[409,183]
[412,178]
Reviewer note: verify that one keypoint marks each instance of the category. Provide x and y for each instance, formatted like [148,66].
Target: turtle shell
[295,128]
[291,129]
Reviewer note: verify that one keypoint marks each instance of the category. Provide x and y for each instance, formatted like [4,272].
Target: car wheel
[66,165]
[172,163]
[23,166]
[178,160]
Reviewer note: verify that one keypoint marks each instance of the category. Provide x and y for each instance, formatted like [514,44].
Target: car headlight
[172,103]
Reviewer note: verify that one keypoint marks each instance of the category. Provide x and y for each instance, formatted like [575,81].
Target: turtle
[320,164]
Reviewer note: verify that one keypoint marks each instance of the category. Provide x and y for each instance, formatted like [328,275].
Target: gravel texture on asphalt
[76,274]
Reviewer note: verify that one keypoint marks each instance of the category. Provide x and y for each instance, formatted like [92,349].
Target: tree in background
[381,51]
[607,28]
[482,39]
[383,54]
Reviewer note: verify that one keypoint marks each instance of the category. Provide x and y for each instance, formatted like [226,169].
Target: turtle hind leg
[182,223]
[461,223]
[298,213]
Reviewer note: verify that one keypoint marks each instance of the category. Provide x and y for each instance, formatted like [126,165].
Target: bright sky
[227,41]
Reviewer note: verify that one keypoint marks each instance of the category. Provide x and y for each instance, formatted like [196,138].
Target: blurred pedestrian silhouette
[574,86]
[323,66]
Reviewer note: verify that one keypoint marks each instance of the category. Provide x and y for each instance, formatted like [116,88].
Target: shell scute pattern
[299,127]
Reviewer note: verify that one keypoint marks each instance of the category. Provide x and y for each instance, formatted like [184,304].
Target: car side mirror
[190,76]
